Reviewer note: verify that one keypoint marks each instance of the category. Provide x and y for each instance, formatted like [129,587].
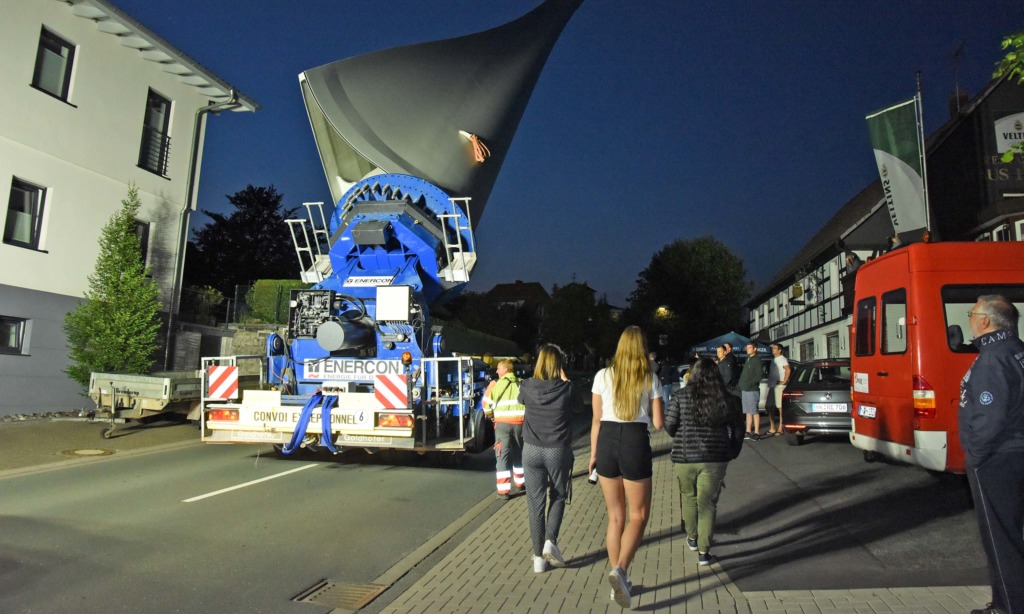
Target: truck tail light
[395,420]
[924,398]
[222,414]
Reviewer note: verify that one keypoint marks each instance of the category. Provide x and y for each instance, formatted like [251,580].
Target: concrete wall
[34,382]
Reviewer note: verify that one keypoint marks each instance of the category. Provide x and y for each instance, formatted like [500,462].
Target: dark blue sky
[654,120]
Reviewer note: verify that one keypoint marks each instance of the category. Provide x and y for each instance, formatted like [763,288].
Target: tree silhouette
[251,243]
[690,291]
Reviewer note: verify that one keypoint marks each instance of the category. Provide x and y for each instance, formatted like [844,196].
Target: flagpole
[919,112]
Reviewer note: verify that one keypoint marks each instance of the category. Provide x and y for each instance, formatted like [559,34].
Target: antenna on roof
[958,55]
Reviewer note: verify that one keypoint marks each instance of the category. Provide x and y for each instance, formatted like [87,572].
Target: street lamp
[662,312]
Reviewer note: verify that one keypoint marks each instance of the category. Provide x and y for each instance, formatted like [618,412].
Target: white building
[973,196]
[92,101]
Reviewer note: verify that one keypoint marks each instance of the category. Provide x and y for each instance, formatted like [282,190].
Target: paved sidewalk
[491,571]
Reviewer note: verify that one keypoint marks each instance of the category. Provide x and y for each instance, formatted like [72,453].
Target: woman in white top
[626,401]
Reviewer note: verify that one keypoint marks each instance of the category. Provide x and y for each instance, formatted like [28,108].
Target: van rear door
[881,366]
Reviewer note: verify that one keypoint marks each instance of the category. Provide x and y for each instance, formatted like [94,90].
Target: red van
[910,345]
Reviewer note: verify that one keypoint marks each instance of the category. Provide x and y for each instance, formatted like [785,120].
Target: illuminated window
[12,335]
[24,214]
[54,60]
[156,143]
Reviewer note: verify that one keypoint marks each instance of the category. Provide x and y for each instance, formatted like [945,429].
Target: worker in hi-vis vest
[501,404]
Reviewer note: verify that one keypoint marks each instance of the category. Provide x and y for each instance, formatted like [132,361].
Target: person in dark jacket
[728,368]
[750,391]
[991,421]
[547,453]
[696,418]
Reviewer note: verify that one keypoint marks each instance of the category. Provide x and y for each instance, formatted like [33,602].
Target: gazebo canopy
[738,341]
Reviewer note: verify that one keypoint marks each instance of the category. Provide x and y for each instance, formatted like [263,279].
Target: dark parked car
[817,400]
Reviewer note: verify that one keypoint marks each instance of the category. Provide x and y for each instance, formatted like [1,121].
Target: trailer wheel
[870,457]
[107,433]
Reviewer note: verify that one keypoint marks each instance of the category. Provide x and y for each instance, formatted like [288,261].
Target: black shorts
[624,450]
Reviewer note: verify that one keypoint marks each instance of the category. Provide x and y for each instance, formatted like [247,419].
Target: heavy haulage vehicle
[411,141]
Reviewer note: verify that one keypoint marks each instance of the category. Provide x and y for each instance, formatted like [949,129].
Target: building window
[24,214]
[12,335]
[832,344]
[156,143]
[807,350]
[142,232]
[54,60]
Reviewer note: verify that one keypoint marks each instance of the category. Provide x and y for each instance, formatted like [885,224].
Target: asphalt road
[133,534]
[818,516]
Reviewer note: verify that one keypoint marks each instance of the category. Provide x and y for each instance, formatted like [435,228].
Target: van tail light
[222,414]
[924,398]
[792,394]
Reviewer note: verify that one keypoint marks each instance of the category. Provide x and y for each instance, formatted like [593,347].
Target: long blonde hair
[631,373]
[549,363]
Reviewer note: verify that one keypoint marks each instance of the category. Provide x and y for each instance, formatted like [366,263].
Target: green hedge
[268,299]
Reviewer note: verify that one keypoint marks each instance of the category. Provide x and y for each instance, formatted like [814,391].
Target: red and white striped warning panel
[391,391]
[223,383]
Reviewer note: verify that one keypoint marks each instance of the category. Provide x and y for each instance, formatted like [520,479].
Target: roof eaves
[112,20]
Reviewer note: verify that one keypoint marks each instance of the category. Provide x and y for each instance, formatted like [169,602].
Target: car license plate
[866,411]
[829,407]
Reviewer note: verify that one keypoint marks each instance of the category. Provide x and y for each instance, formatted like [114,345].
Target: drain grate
[87,452]
[340,594]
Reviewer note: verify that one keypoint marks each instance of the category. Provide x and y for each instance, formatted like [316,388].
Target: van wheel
[870,457]
[794,439]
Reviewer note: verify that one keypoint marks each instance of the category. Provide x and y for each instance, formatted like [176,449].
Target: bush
[268,299]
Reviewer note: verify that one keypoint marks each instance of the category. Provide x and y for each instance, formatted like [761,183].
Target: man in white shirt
[778,377]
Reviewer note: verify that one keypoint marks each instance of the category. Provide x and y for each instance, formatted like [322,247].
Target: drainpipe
[186,208]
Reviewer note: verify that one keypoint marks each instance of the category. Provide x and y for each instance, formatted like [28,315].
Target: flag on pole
[896,139]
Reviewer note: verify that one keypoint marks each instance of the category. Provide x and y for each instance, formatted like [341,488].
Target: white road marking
[229,489]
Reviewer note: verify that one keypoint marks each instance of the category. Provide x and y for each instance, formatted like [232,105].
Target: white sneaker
[539,564]
[552,555]
[620,587]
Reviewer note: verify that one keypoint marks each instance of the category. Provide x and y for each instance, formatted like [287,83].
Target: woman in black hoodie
[547,453]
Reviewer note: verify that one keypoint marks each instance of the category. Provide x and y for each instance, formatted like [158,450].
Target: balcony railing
[155,150]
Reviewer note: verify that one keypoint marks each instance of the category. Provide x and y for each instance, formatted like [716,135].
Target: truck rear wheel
[482,434]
